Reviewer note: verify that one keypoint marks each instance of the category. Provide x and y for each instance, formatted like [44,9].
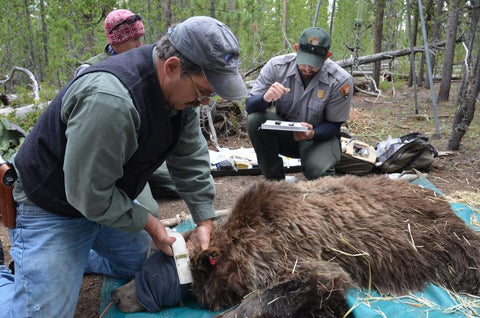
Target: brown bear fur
[294,249]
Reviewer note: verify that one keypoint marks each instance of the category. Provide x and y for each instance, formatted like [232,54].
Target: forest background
[51,38]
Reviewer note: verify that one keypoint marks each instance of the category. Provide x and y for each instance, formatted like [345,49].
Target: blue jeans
[51,254]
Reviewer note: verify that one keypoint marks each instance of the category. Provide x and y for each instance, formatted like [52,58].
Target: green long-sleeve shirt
[102,126]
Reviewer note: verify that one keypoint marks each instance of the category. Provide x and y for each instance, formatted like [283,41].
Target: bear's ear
[209,258]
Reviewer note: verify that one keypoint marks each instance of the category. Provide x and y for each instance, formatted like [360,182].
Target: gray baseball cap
[212,45]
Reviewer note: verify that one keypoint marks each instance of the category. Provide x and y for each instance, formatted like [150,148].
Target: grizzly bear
[293,249]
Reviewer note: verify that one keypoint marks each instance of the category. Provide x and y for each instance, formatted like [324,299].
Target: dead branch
[253,70]
[29,74]
[184,217]
[357,88]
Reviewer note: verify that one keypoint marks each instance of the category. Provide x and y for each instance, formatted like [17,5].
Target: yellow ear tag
[320,93]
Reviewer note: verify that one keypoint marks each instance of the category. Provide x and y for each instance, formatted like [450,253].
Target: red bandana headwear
[118,32]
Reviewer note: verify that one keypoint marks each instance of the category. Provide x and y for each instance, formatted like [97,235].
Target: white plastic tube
[182,259]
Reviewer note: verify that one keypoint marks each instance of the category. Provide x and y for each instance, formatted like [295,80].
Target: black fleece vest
[41,157]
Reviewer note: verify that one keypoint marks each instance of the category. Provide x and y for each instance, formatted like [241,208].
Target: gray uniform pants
[317,158]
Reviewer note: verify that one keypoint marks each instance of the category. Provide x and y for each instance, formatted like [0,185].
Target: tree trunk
[332,16]
[416,22]
[413,40]
[465,111]
[437,23]
[422,78]
[466,100]
[158,18]
[168,14]
[29,36]
[148,33]
[9,44]
[87,21]
[428,22]
[475,17]
[390,27]
[44,37]
[284,24]
[453,18]
[377,38]
[71,46]
[421,72]
[212,8]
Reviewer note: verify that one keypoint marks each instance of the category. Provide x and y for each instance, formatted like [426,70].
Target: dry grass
[466,305]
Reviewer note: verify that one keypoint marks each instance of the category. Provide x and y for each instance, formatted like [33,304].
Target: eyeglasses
[314,49]
[200,97]
[130,20]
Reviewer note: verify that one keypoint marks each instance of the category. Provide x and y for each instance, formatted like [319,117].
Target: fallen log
[376,57]
[388,55]
[398,75]
[21,112]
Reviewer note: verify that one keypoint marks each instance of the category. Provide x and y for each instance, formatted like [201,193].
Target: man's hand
[159,235]
[304,135]
[275,92]
[200,237]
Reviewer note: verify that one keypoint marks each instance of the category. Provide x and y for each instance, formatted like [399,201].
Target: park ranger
[304,87]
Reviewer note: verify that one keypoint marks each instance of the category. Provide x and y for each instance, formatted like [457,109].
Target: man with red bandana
[304,87]
[124,31]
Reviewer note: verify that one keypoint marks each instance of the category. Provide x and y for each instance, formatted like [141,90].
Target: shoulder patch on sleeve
[345,91]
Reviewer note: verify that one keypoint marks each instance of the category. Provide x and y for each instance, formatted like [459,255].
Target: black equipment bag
[411,151]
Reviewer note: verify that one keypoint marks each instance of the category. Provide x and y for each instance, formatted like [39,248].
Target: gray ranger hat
[212,45]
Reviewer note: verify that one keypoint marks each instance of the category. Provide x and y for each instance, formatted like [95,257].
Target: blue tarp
[434,302]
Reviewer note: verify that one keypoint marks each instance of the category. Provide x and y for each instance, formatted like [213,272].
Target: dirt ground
[372,120]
